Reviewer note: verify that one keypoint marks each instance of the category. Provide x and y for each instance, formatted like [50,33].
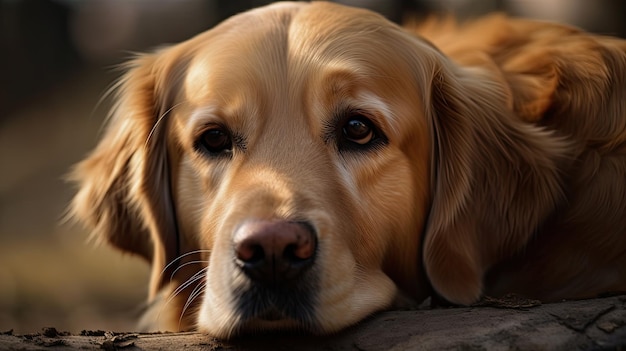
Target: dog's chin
[257,310]
[271,322]
[264,308]
[262,320]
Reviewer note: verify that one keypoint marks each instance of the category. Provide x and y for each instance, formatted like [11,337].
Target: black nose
[274,252]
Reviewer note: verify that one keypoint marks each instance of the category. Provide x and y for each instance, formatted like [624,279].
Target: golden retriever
[302,166]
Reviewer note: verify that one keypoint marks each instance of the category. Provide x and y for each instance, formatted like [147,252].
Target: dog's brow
[372,102]
[200,117]
[349,91]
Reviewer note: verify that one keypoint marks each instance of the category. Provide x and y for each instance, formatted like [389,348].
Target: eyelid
[333,129]
[200,120]
[239,142]
[198,132]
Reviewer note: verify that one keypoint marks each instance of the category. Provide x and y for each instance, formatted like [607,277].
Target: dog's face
[279,171]
[286,142]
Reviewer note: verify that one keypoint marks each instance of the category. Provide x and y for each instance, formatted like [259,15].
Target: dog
[302,166]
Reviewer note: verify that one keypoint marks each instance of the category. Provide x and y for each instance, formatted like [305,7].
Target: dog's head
[286,170]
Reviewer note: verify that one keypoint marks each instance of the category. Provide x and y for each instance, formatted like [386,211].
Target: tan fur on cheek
[396,229]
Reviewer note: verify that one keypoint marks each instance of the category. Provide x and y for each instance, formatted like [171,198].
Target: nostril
[299,251]
[250,252]
[290,254]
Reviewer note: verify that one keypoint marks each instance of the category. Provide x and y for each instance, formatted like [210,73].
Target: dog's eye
[358,130]
[216,141]
[355,132]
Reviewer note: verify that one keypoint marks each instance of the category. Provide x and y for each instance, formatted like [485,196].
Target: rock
[570,325]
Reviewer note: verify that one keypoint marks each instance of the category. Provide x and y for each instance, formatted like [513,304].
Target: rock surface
[596,324]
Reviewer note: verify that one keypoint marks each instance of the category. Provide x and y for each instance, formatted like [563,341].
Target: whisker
[186,264]
[197,291]
[158,122]
[180,257]
[198,276]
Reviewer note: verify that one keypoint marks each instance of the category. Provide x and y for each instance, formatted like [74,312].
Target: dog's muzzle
[277,257]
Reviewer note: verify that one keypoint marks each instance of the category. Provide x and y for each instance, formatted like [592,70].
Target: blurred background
[57,58]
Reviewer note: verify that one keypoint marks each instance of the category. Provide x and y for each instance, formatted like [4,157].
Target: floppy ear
[494,179]
[123,185]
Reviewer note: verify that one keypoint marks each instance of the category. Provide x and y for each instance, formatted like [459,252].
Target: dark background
[57,58]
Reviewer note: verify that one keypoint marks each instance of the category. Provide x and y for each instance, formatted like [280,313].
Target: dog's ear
[123,185]
[494,177]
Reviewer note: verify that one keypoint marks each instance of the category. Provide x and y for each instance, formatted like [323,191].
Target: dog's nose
[274,252]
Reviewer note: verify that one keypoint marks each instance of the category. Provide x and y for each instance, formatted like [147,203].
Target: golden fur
[499,164]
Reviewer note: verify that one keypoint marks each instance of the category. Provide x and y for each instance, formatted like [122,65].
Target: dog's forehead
[291,60]
[287,42]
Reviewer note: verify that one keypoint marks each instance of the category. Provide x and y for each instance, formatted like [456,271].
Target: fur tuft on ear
[495,179]
[123,185]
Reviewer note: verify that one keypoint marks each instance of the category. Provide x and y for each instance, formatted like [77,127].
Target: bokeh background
[57,58]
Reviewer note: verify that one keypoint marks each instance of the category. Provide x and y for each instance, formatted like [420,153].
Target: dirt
[596,324]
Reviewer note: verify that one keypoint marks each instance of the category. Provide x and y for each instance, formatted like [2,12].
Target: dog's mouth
[271,315]
[293,303]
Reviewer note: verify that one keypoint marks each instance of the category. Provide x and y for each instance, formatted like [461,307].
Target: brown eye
[358,130]
[216,141]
